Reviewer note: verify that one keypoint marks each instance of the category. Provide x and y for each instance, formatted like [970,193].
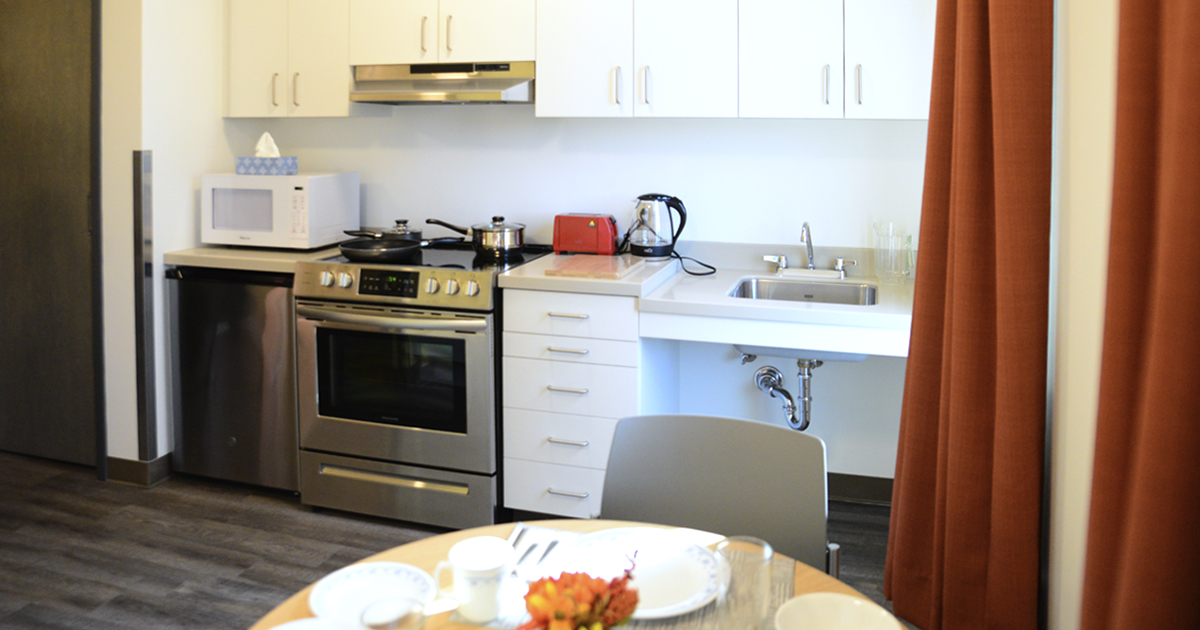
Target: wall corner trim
[146,474]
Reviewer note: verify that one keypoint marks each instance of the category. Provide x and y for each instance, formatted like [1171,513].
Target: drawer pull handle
[569,390]
[569,315]
[568,442]
[564,493]
[568,350]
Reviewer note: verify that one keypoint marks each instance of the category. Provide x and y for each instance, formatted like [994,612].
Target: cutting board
[598,267]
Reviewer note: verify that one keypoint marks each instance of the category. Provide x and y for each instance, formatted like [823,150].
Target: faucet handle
[780,262]
[839,263]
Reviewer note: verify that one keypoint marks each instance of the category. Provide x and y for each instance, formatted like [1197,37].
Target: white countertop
[638,283]
[246,258]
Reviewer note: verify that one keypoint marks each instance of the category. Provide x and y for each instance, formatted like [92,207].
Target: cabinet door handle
[568,442]
[275,90]
[617,85]
[579,351]
[646,86]
[424,21]
[564,493]
[858,83]
[825,84]
[568,315]
[448,46]
[568,390]
[296,89]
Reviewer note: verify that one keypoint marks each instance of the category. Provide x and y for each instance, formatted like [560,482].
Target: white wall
[1085,111]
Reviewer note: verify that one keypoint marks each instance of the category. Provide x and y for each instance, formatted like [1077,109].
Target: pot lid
[400,228]
[498,225]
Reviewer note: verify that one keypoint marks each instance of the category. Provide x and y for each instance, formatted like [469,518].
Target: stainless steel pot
[496,239]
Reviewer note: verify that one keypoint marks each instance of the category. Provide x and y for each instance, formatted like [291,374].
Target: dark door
[48,323]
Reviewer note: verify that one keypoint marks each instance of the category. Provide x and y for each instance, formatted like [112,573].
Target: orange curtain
[1143,551]
[966,505]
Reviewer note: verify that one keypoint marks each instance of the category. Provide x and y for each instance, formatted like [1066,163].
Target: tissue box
[267,166]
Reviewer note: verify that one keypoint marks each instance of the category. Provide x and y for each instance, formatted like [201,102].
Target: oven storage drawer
[571,349]
[552,488]
[571,314]
[576,388]
[424,495]
[557,438]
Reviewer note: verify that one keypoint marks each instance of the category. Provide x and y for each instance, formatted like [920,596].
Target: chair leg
[833,560]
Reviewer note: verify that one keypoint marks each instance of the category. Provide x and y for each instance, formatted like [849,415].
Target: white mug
[479,565]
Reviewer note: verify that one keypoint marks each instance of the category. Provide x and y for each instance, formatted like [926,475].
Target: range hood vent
[444,83]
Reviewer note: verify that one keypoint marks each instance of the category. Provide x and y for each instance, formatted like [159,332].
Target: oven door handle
[392,323]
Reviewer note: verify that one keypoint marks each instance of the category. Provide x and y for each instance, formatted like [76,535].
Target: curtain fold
[1142,545]
[966,504]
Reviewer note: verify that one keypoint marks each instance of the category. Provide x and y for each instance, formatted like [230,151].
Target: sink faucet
[806,238]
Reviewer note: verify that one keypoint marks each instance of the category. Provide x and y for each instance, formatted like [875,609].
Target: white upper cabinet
[889,58]
[620,58]
[445,31]
[790,59]
[685,56]
[288,58]
[585,58]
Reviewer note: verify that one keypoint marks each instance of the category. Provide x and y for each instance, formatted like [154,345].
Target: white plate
[310,623]
[672,576]
[342,595]
[833,611]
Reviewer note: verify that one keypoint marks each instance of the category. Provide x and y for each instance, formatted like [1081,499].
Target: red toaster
[585,234]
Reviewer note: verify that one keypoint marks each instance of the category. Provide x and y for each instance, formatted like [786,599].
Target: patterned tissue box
[267,166]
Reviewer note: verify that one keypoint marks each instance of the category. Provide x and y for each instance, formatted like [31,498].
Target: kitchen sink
[789,290]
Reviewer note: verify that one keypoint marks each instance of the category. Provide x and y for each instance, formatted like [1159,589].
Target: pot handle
[460,230]
[364,233]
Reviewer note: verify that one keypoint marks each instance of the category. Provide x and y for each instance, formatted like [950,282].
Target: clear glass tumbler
[893,252]
[745,601]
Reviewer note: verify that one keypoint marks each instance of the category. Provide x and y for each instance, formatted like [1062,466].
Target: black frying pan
[387,250]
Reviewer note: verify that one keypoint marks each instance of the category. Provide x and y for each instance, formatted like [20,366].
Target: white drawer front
[575,388]
[573,349]
[571,314]
[557,438]
[552,488]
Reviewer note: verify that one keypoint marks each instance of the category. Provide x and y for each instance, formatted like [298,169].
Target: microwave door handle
[392,323]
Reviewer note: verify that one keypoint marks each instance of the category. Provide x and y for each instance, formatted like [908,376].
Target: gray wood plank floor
[194,553]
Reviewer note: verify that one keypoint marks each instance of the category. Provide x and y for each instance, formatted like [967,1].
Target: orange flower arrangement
[578,601]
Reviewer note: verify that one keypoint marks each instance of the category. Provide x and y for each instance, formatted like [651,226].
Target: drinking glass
[394,613]
[893,252]
[744,602]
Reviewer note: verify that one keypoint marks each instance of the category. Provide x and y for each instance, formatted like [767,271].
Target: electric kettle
[653,233]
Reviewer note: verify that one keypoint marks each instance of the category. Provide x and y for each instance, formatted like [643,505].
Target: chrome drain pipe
[769,379]
[806,373]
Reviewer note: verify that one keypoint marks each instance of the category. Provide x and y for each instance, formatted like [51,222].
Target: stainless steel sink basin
[789,290]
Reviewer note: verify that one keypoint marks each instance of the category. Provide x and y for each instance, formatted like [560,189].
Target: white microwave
[302,211]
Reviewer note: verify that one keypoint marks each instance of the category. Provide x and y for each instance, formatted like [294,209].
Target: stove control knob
[345,280]
[432,286]
[472,288]
[326,279]
[452,287]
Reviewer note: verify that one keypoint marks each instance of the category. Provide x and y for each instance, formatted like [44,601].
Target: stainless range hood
[444,83]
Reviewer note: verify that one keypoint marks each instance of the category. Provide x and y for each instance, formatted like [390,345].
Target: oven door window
[401,380]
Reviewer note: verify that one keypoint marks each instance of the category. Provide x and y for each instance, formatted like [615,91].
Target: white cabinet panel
[393,31]
[889,58]
[318,42]
[571,349]
[585,58]
[790,59]
[571,314]
[486,30]
[557,438]
[552,488]
[258,59]
[686,58]
[575,388]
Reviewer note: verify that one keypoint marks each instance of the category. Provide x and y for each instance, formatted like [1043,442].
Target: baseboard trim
[139,473]
[860,489]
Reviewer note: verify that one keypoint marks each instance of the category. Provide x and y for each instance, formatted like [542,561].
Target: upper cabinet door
[487,30]
[889,58]
[393,31]
[318,40]
[685,56]
[790,59]
[257,84]
[585,58]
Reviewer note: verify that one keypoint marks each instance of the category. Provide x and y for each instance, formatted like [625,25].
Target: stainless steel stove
[397,381]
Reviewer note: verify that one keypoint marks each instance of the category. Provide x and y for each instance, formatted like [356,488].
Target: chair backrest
[735,477]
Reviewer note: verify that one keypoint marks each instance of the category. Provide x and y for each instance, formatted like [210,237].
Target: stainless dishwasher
[234,376]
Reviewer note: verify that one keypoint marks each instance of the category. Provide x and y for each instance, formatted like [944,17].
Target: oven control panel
[431,287]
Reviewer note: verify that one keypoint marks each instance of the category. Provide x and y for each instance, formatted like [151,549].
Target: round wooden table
[426,553]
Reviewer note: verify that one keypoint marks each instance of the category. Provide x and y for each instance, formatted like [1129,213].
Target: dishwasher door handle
[391,323]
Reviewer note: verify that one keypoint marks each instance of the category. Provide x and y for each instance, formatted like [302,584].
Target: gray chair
[735,477]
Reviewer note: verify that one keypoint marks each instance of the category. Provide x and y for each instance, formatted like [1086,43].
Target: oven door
[397,385]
